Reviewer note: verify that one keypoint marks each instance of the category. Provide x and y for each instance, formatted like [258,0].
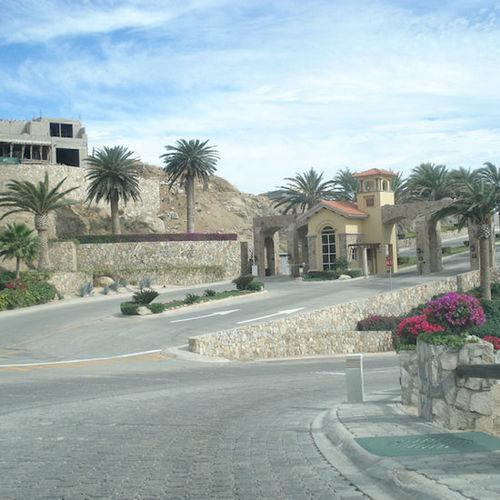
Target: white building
[42,140]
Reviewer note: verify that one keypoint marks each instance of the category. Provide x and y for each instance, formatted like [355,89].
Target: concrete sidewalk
[429,476]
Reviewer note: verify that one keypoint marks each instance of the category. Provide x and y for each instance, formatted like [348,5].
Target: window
[61,130]
[370,201]
[328,249]
[353,253]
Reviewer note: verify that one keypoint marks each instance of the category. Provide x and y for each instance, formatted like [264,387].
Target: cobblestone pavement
[472,475]
[172,429]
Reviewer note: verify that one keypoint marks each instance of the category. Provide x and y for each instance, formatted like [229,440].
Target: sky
[278,86]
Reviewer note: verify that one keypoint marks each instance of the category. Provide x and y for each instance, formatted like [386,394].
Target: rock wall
[69,283]
[408,369]
[450,401]
[172,262]
[290,344]
[276,338]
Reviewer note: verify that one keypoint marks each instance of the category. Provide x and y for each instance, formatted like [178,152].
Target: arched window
[385,186]
[328,248]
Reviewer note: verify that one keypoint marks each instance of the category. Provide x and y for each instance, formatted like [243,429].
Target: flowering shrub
[378,323]
[410,328]
[493,340]
[455,311]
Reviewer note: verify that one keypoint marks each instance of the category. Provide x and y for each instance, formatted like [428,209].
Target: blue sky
[279,86]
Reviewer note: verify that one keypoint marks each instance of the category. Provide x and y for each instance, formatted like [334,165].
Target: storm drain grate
[430,444]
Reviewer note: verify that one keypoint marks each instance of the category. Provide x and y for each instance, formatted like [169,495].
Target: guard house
[43,140]
[334,229]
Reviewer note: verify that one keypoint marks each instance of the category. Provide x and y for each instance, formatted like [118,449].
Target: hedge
[154,237]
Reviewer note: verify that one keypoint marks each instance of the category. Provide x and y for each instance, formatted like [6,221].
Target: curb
[182,353]
[377,477]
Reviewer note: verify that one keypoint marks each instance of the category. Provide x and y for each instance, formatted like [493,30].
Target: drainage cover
[430,444]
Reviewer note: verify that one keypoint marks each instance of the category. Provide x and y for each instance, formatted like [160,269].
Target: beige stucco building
[334,230]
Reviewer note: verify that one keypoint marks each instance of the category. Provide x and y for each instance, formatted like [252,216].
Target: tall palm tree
[18,242]
[346,185]
[428,182]
[398,186]
[113,176]
[38,199]
[302,192]
[475,201]
[186,161]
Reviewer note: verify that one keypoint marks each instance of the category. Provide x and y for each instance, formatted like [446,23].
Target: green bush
[354,273]
[491,308]
[378,323]
[210,293]
[3,302]
[145,297]
[341,264]
[157,307]
[454,341]
[490,329]
[192,298]
[321,275]
[255,286]
[27,294]
[129,308]
[243,281]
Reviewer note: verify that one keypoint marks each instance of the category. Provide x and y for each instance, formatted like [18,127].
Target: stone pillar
[311,251]
[364,261]
[455,403]
[259,252]
[429,253]
[436,253]
[293,251]
[408,370]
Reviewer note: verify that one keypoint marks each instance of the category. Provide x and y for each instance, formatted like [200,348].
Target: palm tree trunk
[483,234]
[42,227]
[190,204]
[18,268]
[115,216]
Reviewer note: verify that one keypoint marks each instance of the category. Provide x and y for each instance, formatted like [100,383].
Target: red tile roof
[374,171]
[345,208]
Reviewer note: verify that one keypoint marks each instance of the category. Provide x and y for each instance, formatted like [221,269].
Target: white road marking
[68,361]
[220,313]
[287,311]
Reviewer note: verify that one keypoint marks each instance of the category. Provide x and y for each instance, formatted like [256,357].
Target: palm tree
[18,242]
[187,161]
[475,202]
[302,191]
[428,182]
[38,199]
[113,176]
[346,185]
[398,186]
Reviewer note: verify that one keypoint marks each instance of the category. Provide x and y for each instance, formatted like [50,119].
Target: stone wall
[69,283]
[170,262]
[75,176]
[290,344]
[244,342]
[450,401]
[408,369]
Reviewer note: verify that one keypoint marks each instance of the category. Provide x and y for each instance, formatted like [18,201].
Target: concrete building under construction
[42,140]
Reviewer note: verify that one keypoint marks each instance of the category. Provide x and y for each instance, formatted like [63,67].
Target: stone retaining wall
[292,334]
[409,377]
[166,262]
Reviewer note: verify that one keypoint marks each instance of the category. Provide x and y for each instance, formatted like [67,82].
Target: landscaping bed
[142,303]
[32,288]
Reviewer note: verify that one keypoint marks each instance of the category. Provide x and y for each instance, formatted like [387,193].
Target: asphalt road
[88,328]
[158,428]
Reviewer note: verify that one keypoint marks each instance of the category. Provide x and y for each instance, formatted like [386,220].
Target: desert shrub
[3,302]
[455,311]
[412,327]
[191,298]
[129,308]
[157,307]
[144,297]
[378,323]
[114,286]
[354,273]
[404,259]
[341,264]
[255,286]
[86,289]
[106,290]
[210,293]
[242,282]
[146,282]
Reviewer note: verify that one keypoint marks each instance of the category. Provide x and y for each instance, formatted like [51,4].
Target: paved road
[449,242]
[92,328]
[161,428]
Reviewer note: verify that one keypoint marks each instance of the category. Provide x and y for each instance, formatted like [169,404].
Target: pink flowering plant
[493,340]
[455,312]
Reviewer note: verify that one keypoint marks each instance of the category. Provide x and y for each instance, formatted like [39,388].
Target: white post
[364,258]
[354,378]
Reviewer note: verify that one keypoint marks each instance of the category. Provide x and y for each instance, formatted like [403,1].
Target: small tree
[40,200]
[187,161]
[18,242]
[113,176]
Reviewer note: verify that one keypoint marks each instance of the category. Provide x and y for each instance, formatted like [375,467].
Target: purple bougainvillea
[455,311]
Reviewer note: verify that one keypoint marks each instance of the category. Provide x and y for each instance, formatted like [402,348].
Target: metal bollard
[354,378]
